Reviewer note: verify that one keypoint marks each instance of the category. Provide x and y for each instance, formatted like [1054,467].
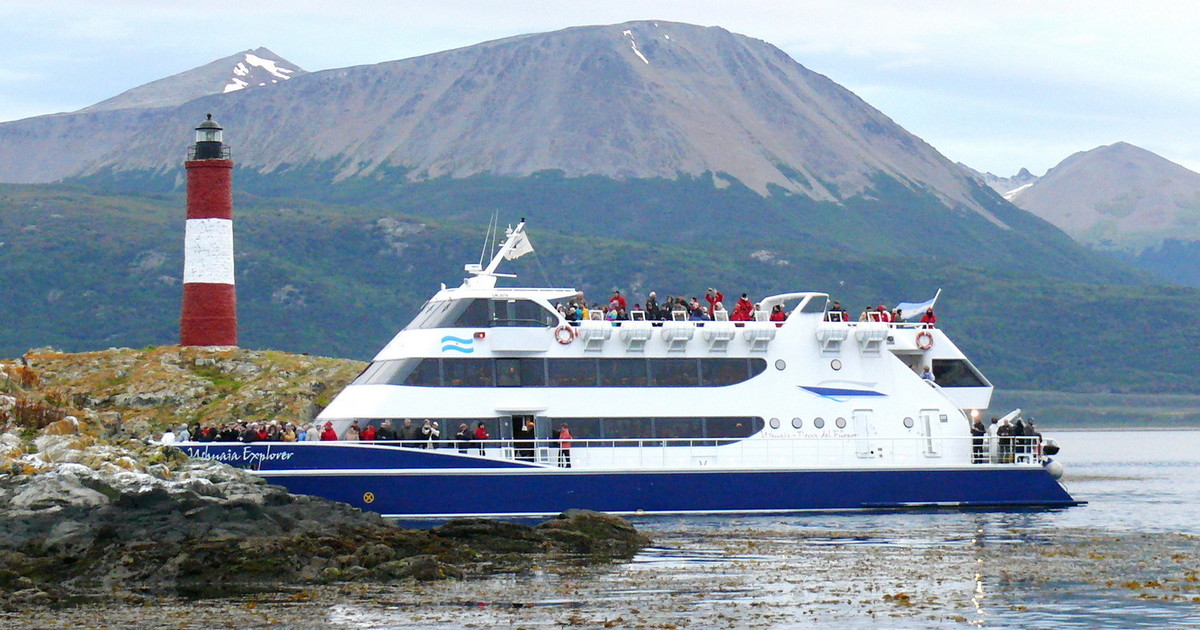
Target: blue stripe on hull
[418,482]
[429,493]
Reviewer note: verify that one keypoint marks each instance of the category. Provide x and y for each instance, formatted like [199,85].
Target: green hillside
[83,270]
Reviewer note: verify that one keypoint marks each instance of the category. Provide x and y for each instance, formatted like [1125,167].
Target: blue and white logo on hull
[839,394]
[458,344]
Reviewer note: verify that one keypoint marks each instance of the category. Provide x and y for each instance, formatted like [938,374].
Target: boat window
[957,373]
[571,372]
[815,304]
[674,372]
[520,373]
[467,373]
[531,372]
[623,373]
[521,313]
[648,428]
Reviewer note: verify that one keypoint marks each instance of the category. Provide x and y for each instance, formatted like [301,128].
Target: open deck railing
[755,453]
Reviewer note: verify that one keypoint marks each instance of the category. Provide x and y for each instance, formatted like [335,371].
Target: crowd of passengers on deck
[673,307]
[680,308]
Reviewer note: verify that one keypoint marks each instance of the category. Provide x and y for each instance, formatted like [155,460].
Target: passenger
[867,315]
[289,433]
[523,438]
[884,315]
[617,300]
[302,433]
[652,307]
[429,433]
[929,319]
[1005,431]
[978,431]
[778,314]
[368,434]
[1018,431]
[409,433]
[564,447]
[697,314]
[993,441]
[481,434]
[314,434]
[897,316]
[927,374]
[250,434]
[610,313]
[743,311]
[168,437]
[352,434]
[713,297]
[329,435]
[463,438]
[385,431]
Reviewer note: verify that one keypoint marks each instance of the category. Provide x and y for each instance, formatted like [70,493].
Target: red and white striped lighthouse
[209,316]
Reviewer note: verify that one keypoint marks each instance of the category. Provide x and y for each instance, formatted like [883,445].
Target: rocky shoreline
[89,512]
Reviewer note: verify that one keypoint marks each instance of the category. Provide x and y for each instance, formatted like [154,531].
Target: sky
[997,85]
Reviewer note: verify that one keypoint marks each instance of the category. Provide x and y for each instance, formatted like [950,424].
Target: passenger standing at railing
[777,313]
[713,297]
[884,315]
[993,440]
[617,300]
[929,319]
[978,431]
[564,447]
[481,434]
[1018,431]
[463,438]
[743,311]
[652,306]
[927,374]
[1006,441]
[867,314]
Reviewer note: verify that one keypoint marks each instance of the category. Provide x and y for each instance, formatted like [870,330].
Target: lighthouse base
[209,316]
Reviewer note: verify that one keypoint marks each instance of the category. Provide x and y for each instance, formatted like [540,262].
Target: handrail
[756,452]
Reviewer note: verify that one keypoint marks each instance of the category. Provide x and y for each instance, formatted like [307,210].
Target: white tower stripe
[208,251]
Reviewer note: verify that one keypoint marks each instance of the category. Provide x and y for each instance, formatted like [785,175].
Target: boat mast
[486,278]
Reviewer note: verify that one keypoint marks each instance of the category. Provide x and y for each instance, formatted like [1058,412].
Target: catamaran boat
[665,417]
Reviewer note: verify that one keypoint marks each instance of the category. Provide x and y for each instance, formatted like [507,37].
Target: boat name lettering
[246,456]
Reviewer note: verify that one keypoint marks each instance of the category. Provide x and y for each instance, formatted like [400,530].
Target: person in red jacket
[480,435]
[743,311]
[368,433]
[329,435]
[713,297]
[618,301]
[929,319]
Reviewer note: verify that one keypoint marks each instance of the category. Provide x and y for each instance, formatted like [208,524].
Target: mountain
[248,69]
[1118,197]
[635,100]
[1006,186]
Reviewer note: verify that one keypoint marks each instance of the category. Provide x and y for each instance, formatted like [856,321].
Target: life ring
[924,340]
[564,334]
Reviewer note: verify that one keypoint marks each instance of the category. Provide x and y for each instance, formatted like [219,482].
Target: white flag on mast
[518,247]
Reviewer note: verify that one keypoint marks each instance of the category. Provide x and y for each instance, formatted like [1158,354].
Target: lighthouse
[209,315]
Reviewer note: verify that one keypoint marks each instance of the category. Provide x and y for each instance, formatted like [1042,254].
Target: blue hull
[437,483]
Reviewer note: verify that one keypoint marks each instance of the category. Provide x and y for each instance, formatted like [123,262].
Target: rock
[423,568]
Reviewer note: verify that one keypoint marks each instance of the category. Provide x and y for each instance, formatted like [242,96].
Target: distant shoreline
[1097,429]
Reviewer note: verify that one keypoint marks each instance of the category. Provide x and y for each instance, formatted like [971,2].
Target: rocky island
[94,509]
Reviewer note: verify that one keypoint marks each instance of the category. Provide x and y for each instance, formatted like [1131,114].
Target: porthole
[836,364]
[908,423]
[840,422]
[819,423]
[780,364]
[797,423]
[774,423]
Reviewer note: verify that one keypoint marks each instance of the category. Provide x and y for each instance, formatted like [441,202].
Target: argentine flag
[909,310]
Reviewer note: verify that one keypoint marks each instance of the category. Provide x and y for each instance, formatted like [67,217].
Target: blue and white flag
[909,310]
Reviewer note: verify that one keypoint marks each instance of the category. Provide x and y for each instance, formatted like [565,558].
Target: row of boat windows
[483,313]
[636,428]
[538,372]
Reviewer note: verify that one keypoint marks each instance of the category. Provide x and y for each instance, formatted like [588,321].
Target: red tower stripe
[209,316]
[209,189]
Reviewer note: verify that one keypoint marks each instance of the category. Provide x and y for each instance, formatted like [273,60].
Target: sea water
[1127,559]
